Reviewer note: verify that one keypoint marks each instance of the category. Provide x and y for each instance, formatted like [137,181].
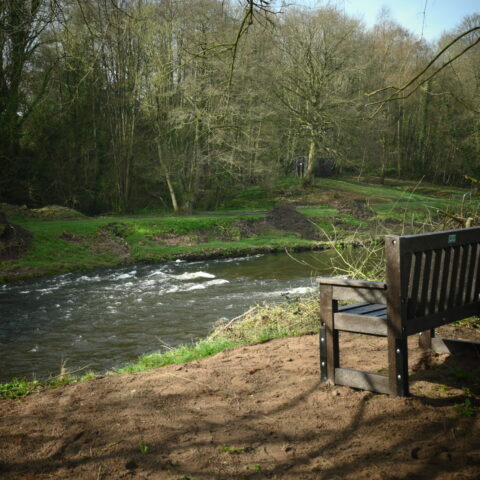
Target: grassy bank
[340,209]
[61,246]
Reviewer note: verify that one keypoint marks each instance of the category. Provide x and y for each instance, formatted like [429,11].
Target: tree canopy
[128,104]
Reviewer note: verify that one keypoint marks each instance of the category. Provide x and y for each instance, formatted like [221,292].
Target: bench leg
[329,345]
[398,366]
[425,339]
[323,353]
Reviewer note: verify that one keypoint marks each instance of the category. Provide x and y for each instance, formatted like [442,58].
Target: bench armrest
[347,282]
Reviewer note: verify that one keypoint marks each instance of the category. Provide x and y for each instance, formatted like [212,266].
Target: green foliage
[465,409]
[19,388]
[144,448]
[88,376]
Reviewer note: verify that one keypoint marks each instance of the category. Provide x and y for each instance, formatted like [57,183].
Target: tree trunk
[171,190]
[309,174]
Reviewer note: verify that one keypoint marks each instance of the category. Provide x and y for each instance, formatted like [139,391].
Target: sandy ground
[251,412]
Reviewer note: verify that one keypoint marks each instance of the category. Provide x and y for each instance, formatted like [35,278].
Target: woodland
[123,105]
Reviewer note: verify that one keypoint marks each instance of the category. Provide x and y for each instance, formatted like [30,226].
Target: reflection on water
[106,318]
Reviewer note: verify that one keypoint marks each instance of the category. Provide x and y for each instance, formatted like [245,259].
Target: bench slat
[417,325]
[462,275]
[364,308]
[363,380]
[467,268]
[433,296]
[476,276]
[413,283]
[454,280]
[436,240]
[368,295]
[425,288]
[348,282]
[444,280]
[345,308]
[371,325]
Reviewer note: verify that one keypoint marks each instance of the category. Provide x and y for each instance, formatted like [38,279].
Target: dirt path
[251,412]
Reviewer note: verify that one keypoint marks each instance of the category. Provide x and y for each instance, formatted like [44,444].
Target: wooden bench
[431,280]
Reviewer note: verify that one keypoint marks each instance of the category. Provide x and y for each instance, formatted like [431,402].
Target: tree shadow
[262,431]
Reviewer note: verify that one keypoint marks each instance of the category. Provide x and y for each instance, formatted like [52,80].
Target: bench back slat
[427,278]
[475,291]
[444,277]
[437,274]
[433,298]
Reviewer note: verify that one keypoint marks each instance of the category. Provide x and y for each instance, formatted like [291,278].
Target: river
[106,318]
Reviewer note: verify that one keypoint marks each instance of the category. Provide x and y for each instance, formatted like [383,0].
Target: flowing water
[106,318]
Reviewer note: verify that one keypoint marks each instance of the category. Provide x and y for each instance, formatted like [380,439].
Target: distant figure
[300,164]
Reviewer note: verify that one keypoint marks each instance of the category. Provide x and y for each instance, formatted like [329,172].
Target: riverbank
[67,245]
[254,411]
[296,316]
[61,240]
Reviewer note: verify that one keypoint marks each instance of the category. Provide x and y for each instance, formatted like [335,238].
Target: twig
[70,373]
[188,380]
[223,327]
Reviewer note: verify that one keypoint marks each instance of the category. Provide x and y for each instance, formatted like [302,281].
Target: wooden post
[323,353]
[398,366]
[425,339]
[396,305]
[329,348]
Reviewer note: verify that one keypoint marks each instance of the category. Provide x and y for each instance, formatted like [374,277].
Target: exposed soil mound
[50,212]
[285,217]
[254,226]
[14,240]
[118,229]
[357,207]
[110,239]
[251,412]
[56,212]
[15,210]
[71,237]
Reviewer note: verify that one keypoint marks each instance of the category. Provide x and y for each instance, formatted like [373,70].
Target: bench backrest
[433,279]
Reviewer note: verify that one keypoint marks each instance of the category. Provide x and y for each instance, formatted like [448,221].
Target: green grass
[211,235]
[20,387]
[182,354]
[203,236]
